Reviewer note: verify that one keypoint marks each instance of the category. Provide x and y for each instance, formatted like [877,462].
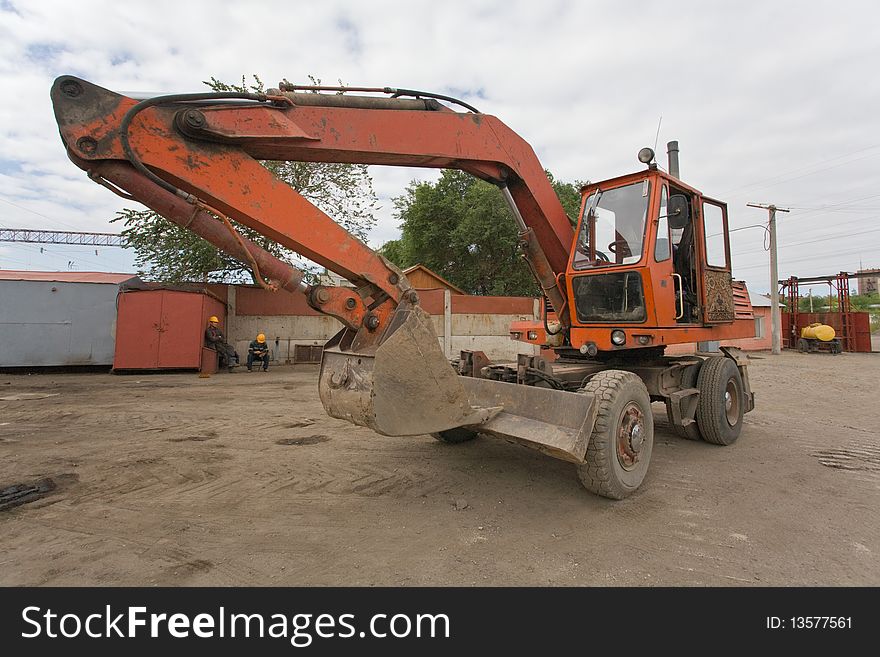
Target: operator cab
[650,254]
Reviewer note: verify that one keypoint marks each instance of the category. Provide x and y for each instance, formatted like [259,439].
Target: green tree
[569,195]
[166,252]
[461,228]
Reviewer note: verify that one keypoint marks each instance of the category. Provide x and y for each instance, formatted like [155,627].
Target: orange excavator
[646,266]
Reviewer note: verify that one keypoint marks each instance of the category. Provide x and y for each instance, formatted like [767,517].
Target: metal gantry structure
[39,236]
[842,319]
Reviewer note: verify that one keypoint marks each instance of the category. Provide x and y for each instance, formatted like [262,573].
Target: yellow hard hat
[213,318]
[261,337]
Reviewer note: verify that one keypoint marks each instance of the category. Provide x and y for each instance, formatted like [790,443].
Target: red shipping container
[163,329]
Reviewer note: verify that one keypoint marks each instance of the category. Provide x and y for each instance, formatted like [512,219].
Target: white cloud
[752,91]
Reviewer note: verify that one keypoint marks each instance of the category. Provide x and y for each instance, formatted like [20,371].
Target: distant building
[58,319]
[419,276]
[869,284]
[332,279]
[422,278]
[762,341]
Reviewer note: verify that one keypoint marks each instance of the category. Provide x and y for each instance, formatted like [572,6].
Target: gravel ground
[243,480]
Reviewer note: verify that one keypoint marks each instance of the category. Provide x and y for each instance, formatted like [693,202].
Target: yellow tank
[818,331]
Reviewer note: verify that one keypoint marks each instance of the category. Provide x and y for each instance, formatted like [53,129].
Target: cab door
[676,254]
[718,307]
[666,289]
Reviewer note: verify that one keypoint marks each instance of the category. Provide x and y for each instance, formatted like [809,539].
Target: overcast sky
[772,102]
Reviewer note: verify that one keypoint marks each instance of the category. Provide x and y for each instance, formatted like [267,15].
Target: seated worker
[258,350]
[214,339]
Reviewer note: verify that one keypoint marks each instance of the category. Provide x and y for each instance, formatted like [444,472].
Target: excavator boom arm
[195,159]
[210,150]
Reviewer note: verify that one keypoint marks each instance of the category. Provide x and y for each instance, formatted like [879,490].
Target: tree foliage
[166,252]
[461,228]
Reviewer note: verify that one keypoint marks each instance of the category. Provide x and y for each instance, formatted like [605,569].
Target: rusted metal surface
[201,222]
[225,177]
[859,324]
[742,304]
[163,329]
[554,422]
[409,389]
[545,275]
[631,435]
[386,370]
[853,328]
[404,387]
[741,359]
[480,144]
[471,363]
[343,304]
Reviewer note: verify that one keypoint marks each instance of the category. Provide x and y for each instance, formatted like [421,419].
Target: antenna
[657,136]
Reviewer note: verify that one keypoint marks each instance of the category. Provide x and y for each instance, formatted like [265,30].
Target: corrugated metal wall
[46,323]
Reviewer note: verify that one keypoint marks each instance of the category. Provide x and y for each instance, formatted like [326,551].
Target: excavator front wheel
[455,436]
[620,446]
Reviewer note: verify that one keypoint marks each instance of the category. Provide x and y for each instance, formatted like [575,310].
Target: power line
[814,241]
[781,177]
[789,261]
[21,207]
[837,205]
[54,254]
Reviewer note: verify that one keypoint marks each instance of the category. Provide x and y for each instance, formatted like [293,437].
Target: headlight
[533,335]
[589,349]
[618,337]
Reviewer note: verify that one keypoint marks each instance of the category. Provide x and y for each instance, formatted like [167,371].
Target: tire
[692,431]
[803,346]
[455,436]
[615,467]
[721,405]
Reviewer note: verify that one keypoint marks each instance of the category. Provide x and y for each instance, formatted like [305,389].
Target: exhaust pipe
[672,158]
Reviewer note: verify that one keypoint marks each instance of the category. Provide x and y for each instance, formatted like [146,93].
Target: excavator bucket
[407,387]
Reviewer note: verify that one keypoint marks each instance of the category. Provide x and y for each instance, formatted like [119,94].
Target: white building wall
[476,331]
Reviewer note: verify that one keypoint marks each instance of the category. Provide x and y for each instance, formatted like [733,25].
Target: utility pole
[775,316]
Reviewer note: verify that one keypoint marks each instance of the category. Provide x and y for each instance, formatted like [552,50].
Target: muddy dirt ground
[243,480]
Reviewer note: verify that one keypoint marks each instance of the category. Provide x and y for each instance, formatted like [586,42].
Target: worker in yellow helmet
[259,351]
[215,340]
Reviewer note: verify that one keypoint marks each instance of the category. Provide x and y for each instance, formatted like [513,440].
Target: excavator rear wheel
[455,436]
[620,446]
[722,401]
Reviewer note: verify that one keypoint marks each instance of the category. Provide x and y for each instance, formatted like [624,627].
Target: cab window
[612,228]
[714,230]
[662,249]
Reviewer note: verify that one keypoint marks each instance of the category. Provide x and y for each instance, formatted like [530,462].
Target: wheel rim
[731,403]
[631,436]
